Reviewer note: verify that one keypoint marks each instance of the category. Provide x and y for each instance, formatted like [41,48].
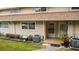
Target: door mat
[55,45]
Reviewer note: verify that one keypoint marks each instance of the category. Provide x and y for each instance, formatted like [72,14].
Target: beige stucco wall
[17,29]
[39,29]
[73,28]
[70,29]
[59,9]
[10,28]
[32,10]
[49,9]
[4,12]
[77,28]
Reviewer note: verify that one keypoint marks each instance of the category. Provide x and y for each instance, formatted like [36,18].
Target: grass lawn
[7,45]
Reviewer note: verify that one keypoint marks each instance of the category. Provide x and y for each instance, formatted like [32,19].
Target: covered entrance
[56,29]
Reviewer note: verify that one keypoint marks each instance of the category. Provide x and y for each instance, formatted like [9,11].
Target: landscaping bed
[67,49]
[8,45]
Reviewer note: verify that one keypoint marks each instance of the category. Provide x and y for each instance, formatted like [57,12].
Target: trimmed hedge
[1,34]
[13,36]
[30,37]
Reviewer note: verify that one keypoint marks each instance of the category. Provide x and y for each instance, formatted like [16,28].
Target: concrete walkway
[50,48]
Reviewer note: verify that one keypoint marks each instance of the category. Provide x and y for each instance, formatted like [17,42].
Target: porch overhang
[48,16]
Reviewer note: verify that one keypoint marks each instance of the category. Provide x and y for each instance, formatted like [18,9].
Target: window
[3,24]
[43,8]
[25,25]
[75,7]
[31,25]
[28,25]
[14,10]
[39,9]
[63,27]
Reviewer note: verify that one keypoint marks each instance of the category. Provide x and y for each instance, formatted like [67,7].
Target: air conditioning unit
[74,43]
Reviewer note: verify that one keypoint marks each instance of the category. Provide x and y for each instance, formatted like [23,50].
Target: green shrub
[64,36]
[1,34]
[17,36]
[10,35]
[42,38]
[30,37]
[13,36]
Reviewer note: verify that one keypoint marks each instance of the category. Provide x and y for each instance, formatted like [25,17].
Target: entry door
[51,30]
[62,29]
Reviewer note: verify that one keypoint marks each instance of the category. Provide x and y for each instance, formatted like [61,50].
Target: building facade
[50,22]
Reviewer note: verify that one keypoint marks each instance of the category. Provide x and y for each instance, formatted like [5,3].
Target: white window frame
[4,26]
[28,26]
[37,9]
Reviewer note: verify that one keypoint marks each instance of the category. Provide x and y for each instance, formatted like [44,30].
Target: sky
[38,3]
